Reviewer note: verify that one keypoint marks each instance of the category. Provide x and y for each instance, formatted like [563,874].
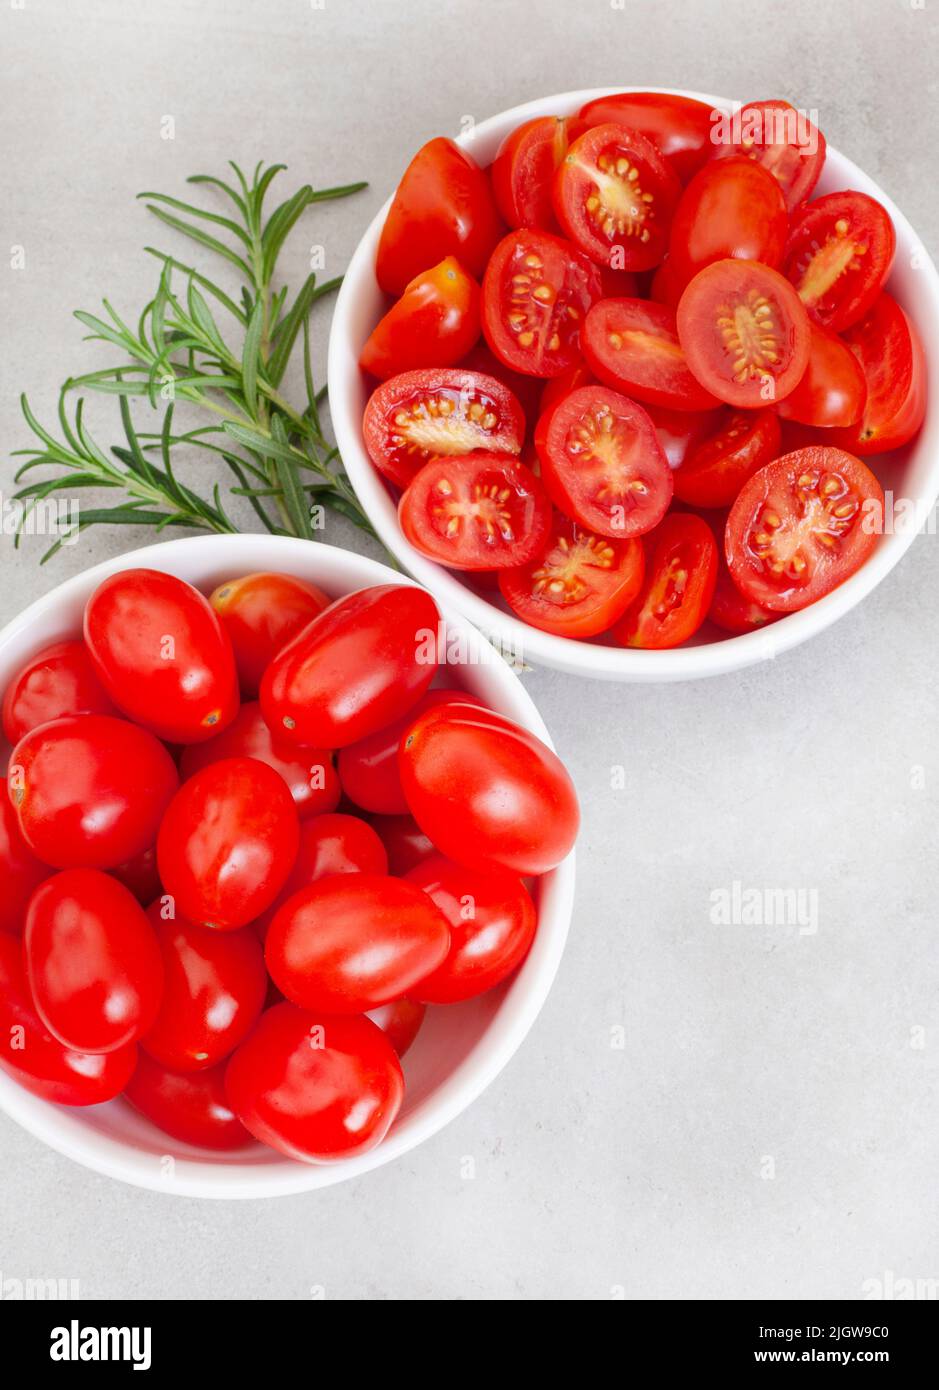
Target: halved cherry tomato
[839,254]
[33,1057]
[317,1089]
[477,512]
[602,464]
[433,324]
[228,842]
[190,1107]
[732,208]
[20,870]
[214,989]
[422,415]
[58,680]
[632,346]
[744,332]
[492,925]
[888,348]
[801,526]
[90,790]
[309,773]
[580,583]
[681,431]
[731,611]
[832,390]
[359,665]
[350,942]
[404,840]
[523,170]
[614,196]
[560,386]
[261,613]
[443,207]
[330,844]
[92,960]
[162,654]
[717,469]
[487,791]
[784,141]
[536,293]
[679,127]
[400,1021]
[676,594]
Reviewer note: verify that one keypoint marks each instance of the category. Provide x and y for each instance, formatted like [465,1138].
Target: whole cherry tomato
[487,791]
[227,843]
[400,1021]
[350,942]
[261,613]
[140,875]
[191,1106]
[162,655]
[731,208]
[359,665]
[93,961]
[90,790]
[316,1088]
[404,840]
[58,680]
[20,870]
[308,772]
[330,844]
[214,989]
[433,324]
[492,925]
[33,1057]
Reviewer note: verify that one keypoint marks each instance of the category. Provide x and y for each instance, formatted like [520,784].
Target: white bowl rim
[61,1128]
[580,657]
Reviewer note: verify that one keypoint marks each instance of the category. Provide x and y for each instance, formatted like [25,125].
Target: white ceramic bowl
[460,1048]
[912,472]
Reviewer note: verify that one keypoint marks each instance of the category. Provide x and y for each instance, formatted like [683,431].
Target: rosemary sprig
[276,454]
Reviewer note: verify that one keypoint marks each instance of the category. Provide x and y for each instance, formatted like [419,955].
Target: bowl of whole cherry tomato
[287,866]
[639,381]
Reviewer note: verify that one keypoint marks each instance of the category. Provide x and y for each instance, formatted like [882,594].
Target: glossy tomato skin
[681,572]
[214,989]
[261,613]
[404,841]
[140,875]
[58,680]
[891,357]
[731,611]
[400,1021]
[162,655]
[227,843]
[89,790]
[308,773]
[443,207]
[487,791]
[784,141]
[731,208]
[357,667]
[92,961]
[20,871]
[492,925]
[839,254]
[314,1087]
[33,1057]
[523,170]
[801,526]
[718,467]
[329,844]
[417,416]
[191,1107]
[679,127]
[350,942]
[433,324]
[832,390]
[368,769]
[631,345]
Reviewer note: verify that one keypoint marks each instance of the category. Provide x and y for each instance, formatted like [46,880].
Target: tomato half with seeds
[731,208]
[20,871]
[717,469]
[433,324]
[839,254]
[679,127]
[536,293]
[891,356]
[632,346]
[602,464]
[443,207]
[745,333]
[614,196]
[261,613]
[478,512]
[731,610]
[580,583]
[523,170]
[832,390]
[681,572]
[58,680]
[784,141]
[191,1107]
[422,415]
[801,526]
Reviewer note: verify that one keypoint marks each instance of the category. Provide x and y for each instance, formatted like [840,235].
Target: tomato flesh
[523,170]
[891,357]
[632,346]
[784,141]
[839,254]
[676,594]
[717,469]
[536,293]
[433,324]
[679,127]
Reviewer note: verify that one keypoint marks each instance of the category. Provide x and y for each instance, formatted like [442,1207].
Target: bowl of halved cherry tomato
[640,381]
[287,866]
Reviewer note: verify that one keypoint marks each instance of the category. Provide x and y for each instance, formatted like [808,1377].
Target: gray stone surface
[768,1126]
